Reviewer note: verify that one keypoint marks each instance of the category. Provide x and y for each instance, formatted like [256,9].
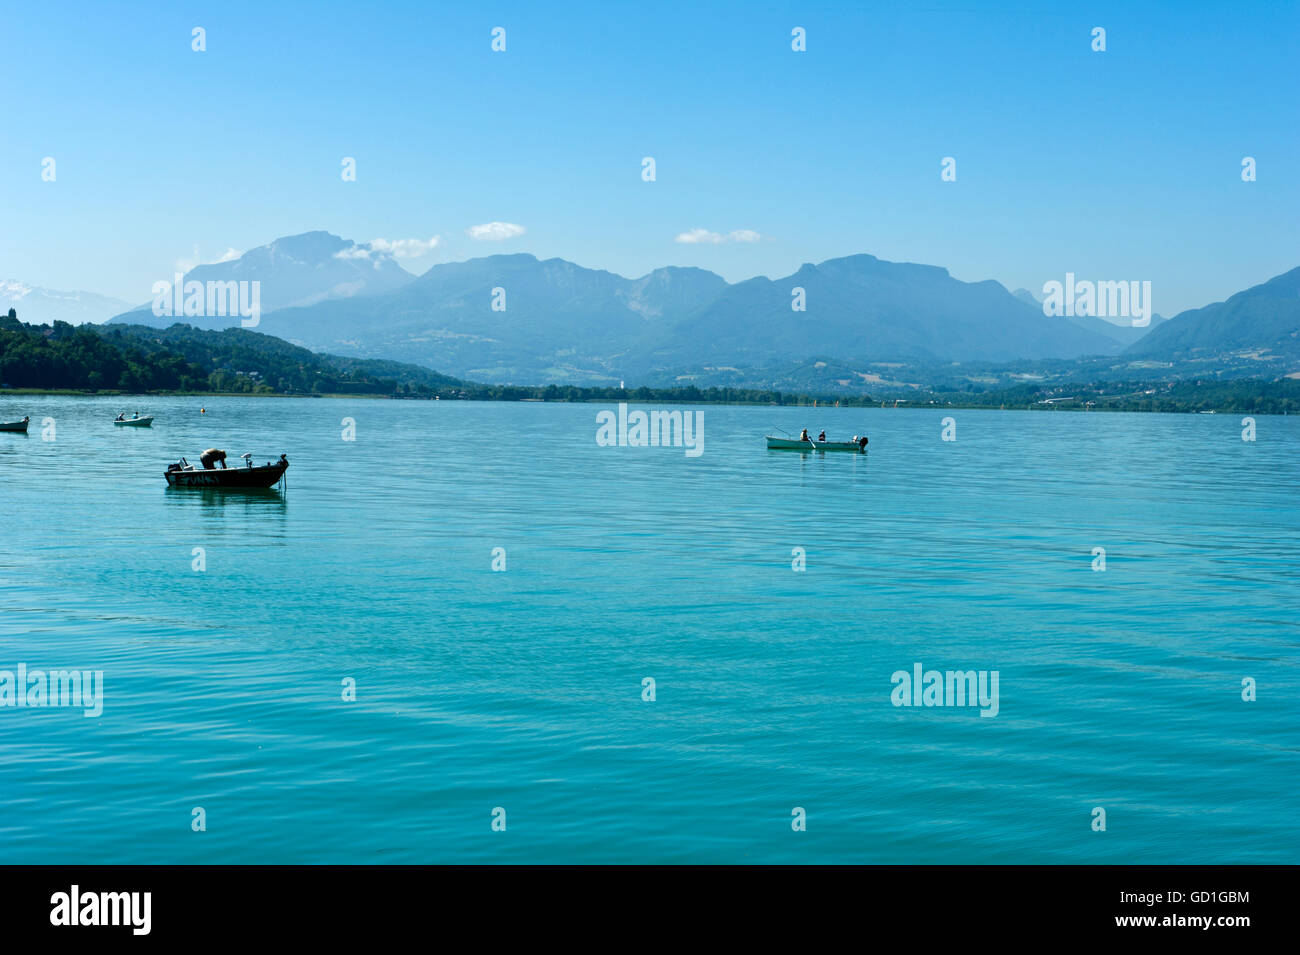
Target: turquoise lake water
[522,688]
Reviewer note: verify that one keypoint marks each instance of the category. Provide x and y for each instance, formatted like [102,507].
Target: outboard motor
[862,443]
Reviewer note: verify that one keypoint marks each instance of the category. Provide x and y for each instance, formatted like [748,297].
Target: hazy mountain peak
[43,306]
[295,270]
[862,266]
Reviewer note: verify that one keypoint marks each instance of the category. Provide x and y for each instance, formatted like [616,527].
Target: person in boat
[210,457]
[121,416]
[822,436]
[803,435]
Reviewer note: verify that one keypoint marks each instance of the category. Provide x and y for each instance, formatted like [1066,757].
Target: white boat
[144,422]
[858,445]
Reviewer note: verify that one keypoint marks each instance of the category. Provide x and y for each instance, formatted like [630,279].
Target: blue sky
[1116,165]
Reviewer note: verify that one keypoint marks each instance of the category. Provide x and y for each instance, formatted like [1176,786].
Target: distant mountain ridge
[1263,319]
[44,306]
[859,306]
[1125,334]
[519,319]
[522,319]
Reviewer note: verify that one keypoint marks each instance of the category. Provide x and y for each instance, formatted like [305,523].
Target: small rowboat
[184,474]
[794,444]
[145,422]
[18,426]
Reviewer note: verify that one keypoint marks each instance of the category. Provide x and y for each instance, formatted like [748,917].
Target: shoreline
[793,401]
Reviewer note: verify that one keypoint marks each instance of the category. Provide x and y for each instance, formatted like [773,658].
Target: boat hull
[227,477]
[794,444]
[136,422]
[18,427]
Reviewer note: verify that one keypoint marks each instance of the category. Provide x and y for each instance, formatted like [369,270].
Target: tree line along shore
[134,359]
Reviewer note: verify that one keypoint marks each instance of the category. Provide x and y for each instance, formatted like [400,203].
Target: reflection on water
[262,499]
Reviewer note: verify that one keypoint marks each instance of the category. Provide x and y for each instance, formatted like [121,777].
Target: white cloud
[699,236]
[494,231]
[406,248]
[395,248]
[229,255]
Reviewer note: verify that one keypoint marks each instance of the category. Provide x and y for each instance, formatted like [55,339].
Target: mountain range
[515,318]
[43,306]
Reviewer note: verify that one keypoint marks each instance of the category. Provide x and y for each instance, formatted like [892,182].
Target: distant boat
[184,474]
[144,422]
[794,444]
[17,426]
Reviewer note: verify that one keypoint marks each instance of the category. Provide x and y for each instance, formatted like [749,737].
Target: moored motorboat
[145,422]
[184,474]
[16,426]
[807,444]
